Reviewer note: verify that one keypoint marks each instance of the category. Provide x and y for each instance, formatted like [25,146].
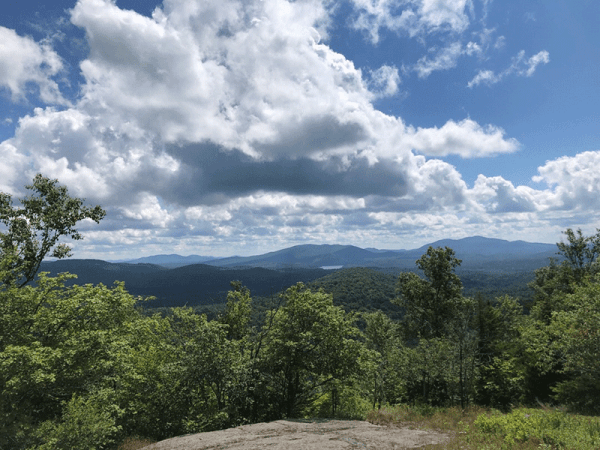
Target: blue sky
[222,127]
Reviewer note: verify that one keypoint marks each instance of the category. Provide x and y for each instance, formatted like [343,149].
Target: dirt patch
[305,435]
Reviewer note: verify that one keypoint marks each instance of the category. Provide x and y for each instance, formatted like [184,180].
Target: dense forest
[85,366]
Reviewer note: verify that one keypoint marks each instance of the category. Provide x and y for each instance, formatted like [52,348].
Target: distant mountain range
[168,260]
[475,253]
[176,280]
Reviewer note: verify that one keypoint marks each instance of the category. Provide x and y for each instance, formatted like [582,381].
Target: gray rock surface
[306,435]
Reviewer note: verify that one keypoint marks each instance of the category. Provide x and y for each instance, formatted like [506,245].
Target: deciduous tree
[430,303]
[32,230]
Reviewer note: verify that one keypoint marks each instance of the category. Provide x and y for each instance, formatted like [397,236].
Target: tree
[553,282]
[501,352]
[310,345]
[576,333]
[580,252]
[238,311]
[430,304]
[464,337]
[554,287]
[383,340]
[57,344]
[34,229]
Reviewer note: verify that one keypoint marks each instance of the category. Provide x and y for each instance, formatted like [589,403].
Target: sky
[224,127]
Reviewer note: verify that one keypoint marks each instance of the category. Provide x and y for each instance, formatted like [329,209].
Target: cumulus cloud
[498,195]
[13,164]
[24,62]
[465,138]
[232,97]
[240,74]
[520,66]
[234,123]
[96,160]
[574,182]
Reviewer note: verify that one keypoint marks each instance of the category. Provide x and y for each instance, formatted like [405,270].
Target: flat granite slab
[306,435]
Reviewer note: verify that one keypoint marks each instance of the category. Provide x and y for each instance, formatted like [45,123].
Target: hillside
[360,289]
[308,256]
[194,284]
[171,261]
[489,266]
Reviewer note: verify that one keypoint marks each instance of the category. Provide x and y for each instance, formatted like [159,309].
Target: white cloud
[148,209]
[13,165]
[213,72]
[473,48]
[520,66]
[500,42]
[484,76]
[97,160]
[24,61]
[445,59]
[438,204]
[497,195]
[574,182]
[413,17]
[384,81]
[465,138]
[542,57]
[206,102]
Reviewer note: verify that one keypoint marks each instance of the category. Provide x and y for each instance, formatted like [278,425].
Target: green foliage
[237,311]
[430,304]
[556,428]
[500,352]
[491,285]
[33,230]
[182,368]
[440,331]
[56,342]
[554,281]
[477,429]
[388,358]
[429,371]
[580,252]
[310,344]
[561,338]
[576,335]
[360,290]
[86,424]
[350,404]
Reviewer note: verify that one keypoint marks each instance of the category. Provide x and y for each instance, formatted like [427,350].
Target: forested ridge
[86,366]
[202,284]
[194,284]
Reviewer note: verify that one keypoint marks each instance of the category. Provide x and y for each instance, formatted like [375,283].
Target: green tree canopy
[576,335]
[310,344]
[430,303]
[33,229]
[553,282]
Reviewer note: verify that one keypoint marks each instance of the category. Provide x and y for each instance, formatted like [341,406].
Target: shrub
[86,425]
[551,427]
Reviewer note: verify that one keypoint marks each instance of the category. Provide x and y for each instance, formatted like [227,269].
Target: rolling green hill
[194,284]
